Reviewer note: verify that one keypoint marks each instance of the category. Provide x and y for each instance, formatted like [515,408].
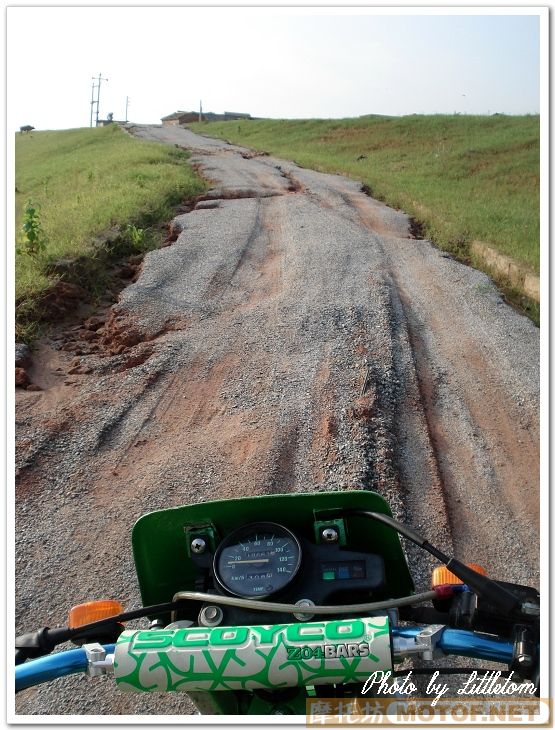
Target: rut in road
[295,337]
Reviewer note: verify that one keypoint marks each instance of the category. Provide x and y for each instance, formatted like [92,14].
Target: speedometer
[257,560]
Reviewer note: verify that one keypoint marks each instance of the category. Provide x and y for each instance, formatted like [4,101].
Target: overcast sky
[285,63]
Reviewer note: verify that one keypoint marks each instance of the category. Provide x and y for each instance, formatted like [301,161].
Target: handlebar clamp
[424,643]
[98,662]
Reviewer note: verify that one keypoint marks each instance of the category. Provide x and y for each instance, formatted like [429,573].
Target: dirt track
[235,364]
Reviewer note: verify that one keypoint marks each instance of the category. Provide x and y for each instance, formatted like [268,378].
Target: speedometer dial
[257,560]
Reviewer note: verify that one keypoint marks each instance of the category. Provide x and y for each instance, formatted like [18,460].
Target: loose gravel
[236,364]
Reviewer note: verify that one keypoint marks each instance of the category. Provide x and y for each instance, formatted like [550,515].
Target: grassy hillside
[463,177]
[86,181]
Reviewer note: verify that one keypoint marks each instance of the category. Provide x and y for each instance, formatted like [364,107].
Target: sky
[279,63]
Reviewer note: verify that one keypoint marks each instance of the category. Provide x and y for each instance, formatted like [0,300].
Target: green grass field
[462,177]
[87,181]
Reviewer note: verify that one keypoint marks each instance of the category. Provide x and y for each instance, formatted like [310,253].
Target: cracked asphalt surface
[235,364]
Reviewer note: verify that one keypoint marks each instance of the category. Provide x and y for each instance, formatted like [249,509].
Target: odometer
[257,560]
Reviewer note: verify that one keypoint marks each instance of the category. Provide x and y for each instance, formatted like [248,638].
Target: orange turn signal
[442,576]
[87,613]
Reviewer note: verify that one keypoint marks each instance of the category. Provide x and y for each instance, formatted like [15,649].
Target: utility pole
[98,96]
[92,101]
[126,107]
[97,100]
[200,112]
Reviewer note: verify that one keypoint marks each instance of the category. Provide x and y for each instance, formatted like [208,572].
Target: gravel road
[234,365]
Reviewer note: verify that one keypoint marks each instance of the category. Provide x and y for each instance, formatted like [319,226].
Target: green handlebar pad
[253,657]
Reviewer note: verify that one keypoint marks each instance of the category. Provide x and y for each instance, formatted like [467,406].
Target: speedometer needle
[258,560]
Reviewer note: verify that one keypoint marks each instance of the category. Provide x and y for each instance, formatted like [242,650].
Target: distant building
[225,117]
[173,120]
[230,116]
[180,117]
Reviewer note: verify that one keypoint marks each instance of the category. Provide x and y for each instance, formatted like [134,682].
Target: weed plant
[84,182]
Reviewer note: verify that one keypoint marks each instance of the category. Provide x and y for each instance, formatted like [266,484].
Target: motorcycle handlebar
[47,668]
[452,641]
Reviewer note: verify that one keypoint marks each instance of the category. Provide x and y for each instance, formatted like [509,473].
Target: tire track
[286,303]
